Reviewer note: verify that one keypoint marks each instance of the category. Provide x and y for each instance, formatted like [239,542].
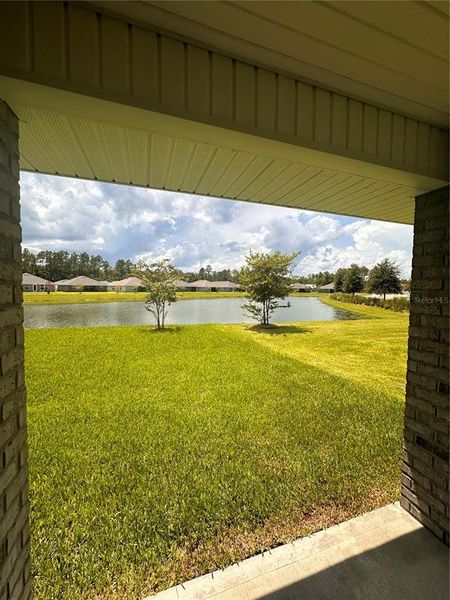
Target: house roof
[302,286]
[328,286]
[128,281]
[29,279]
[224,284]
[82,280]
[202,283]
[181,283]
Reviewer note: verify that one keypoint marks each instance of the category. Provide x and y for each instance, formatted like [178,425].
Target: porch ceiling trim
[106,141]
[97,55]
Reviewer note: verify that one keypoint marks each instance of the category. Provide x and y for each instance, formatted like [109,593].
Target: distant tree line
[383,278]
[66,265]
[57,265]
[317,279]
[211,275]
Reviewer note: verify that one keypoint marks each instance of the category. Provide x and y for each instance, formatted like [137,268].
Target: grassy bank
[157,457]
[95,297]
[398,304]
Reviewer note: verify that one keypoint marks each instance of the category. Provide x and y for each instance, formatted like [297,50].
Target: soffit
[393,54]
[100,140]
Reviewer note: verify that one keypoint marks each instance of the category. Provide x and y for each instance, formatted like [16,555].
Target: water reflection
[220,310]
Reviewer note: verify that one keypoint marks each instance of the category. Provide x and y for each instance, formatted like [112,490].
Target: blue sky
[119,221]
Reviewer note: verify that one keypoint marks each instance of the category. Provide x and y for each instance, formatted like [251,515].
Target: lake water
[220,310]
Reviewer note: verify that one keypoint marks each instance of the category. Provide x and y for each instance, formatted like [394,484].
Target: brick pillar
[425,470]
[15,582]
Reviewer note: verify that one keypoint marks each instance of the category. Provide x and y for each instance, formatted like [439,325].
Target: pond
[220,310]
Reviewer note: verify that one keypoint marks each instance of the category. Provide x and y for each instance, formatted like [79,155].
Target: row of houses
[204,285]
[33,283]
[309,287]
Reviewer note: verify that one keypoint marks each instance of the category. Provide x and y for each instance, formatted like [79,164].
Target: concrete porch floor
[382,555]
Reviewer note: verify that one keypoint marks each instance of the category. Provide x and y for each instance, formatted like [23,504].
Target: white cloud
[124,222]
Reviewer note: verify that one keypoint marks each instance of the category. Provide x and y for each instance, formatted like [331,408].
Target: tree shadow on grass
[153,330]
[279,329]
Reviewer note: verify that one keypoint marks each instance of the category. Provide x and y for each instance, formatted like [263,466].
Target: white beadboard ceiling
[77,146]
[390,53]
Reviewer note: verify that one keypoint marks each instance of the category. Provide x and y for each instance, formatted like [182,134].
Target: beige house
[302,287]
[339,107]
[201,285]
[204,285]
[327,289]
[129,284]
[33,283]
[56,284]
[181,285]
[224,286]
[81,283]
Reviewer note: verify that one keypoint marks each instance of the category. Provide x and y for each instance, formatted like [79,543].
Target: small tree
[266,278]
[353,280]
[384,278]
[158,278]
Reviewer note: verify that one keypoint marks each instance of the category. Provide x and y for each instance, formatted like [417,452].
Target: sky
[118,221]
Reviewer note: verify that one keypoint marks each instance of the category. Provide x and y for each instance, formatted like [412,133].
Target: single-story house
[33,283]
[59,282]
[327,289]
[224,286]
[81,283]
[181,285]
[129,284]
[302,287]
[203,285]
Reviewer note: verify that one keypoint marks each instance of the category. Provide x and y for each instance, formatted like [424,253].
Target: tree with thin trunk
[158,279]
[384,278]
[339,280]
[353,281]
[266,277]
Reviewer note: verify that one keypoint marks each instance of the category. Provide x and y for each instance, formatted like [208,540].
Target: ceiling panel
[110,152]
[390,18]
[391,54]
[352,38]
[202,156]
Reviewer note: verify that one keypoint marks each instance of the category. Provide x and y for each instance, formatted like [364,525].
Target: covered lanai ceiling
[336,107]
[392,53]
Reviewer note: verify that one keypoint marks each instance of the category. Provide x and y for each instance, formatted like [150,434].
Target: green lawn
[94,297]
[158,457]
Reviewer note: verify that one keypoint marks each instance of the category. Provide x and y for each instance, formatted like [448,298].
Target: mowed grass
[158,457]
[81,297]
[95,297]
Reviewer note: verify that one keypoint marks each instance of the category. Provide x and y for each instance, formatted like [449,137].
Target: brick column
[425,471]
[15,582]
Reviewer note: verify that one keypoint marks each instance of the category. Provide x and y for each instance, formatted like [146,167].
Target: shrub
[396,304]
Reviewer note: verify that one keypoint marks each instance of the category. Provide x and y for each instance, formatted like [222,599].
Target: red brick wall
[425,472]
